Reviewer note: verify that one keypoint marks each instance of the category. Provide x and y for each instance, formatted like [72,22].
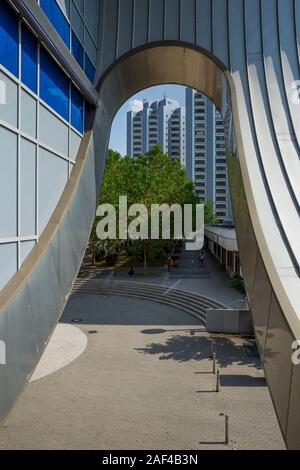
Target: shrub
[238,282]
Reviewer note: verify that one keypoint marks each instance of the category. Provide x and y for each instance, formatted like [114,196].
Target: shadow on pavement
[183,348]
[242,381]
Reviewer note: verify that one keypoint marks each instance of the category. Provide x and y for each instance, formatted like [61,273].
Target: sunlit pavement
[144,381]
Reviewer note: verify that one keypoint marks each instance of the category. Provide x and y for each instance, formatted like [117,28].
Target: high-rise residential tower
[161,122]
[206,154]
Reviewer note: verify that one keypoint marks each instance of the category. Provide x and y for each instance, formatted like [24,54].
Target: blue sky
[118,130]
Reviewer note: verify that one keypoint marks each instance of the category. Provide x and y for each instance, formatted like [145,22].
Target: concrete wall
[229,321]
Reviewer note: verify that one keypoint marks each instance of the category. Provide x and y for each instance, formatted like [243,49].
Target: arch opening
[182,64]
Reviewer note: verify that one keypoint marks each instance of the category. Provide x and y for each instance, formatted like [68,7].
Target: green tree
[210,217]
[152,178]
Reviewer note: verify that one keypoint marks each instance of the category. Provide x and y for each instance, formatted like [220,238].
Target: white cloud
[135,105]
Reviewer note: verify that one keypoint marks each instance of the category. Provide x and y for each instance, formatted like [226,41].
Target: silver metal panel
[77,23]
[156,20]
[91,17]
[110,33]
[260,306]
[172,19]
[125,27]
[277,361]
[188,21]
[293,436]
[204,31]
[140,23]
[289,57]
[279,108]
[220,31]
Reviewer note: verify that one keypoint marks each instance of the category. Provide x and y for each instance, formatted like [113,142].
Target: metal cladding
[244,55]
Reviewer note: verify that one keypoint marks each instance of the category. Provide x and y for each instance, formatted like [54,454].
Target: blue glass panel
[57,18]
[77,110]
[54,85]
[77,50]
[29,59]
[89,69]
[86,115]
[9,43]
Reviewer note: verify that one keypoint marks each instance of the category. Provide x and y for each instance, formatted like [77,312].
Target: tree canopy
[152,178]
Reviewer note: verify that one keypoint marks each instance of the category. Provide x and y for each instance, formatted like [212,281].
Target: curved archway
[266,229]
[181,64]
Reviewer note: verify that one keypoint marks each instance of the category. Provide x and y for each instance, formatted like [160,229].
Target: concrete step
[193,304]
[99,284]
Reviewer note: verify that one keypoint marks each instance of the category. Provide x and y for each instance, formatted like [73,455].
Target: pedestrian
[131,271]
[169,264]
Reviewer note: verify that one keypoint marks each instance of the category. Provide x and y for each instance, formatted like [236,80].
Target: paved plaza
[208,279]
[139,376]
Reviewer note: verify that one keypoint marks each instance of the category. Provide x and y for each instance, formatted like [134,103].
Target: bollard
[214,363]
[212,347]
[218,381]
[226,441]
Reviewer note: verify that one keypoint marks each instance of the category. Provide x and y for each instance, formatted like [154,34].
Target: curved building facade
[66,66]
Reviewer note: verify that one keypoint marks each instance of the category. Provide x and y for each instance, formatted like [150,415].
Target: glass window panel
[29,59]
[26,248]
[28,114]
[77,23]
[8,262]
[8,100]
[53,176]
[54,85]
[9,43]
[53,131]
[8,183]
[28,187]
[89,69]
[57,18]
[75,141]
[65,6]
[77,110]
[90,47]
[92,17]
[87,113]
[77,50]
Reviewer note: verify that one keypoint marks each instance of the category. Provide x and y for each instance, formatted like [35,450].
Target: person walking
[131,272]
[169,264]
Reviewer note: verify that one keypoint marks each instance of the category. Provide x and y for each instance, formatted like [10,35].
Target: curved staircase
[194,304]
